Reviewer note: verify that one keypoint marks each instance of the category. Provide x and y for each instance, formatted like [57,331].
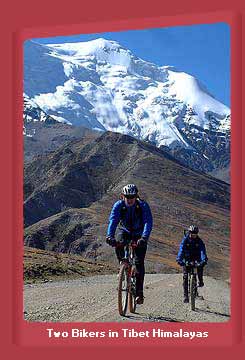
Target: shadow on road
[212,312]
[152,318]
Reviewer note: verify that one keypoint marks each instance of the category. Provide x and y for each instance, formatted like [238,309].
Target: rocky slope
[69,194]
[43,134]
[46,266]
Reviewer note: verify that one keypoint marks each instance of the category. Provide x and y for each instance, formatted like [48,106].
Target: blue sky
[200,50]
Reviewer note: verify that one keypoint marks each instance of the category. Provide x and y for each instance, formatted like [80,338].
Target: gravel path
[94,298]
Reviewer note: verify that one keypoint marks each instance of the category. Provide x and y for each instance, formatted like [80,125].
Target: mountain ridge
[69,194]
[101,85]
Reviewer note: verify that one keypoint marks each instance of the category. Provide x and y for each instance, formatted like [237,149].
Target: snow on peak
[100,84]
[87,47]
[189,90]
[101,49]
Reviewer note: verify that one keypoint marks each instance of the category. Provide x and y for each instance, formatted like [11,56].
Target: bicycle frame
[192,282]
[127,282]
[129,253]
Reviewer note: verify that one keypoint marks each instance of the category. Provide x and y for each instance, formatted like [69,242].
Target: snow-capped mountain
[33,114]
[101,85]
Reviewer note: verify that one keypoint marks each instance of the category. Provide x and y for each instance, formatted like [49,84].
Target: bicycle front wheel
[193,286]
[132,291]
[123,288]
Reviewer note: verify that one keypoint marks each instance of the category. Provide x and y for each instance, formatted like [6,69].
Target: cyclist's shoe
[201,284]
[186,299]
[140,300]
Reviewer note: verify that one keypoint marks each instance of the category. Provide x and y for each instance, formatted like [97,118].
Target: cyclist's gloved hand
[111,241]
[181,263]
[142,242]
[202,263]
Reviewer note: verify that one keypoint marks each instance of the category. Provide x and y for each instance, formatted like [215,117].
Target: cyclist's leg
[140,269]
[185,282]
[121,238]
[200,276]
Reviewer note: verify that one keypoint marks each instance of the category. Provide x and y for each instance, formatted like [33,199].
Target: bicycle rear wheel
[123,288]
[193,286]
[132,291]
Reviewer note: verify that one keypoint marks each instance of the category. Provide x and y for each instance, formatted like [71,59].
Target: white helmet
[193,229]
[130,190]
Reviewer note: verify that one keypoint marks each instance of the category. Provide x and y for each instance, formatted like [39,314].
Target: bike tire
[123,289]
[132,290]
[193,291]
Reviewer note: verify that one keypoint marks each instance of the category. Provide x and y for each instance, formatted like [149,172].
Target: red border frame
[44,20]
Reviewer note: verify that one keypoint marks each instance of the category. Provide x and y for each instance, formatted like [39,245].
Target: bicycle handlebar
[112,241]
[193,263]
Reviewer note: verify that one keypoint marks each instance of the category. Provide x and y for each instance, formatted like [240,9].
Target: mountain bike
[127,280]
[192,282]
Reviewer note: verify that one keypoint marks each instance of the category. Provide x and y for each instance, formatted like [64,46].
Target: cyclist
[192,248]
[135,223]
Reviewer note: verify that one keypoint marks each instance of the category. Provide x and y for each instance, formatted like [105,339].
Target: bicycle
[127,280]
[192,282]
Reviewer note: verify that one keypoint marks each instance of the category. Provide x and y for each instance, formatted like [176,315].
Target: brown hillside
[69,195]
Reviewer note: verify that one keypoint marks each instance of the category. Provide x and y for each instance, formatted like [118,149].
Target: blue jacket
[135,220]
[191,250]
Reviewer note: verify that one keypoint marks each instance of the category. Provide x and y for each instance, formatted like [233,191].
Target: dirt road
[94,298]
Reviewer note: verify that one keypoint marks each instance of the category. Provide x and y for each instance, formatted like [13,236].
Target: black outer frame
[22,21]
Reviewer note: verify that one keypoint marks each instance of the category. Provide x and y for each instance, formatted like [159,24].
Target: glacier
[101,85]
